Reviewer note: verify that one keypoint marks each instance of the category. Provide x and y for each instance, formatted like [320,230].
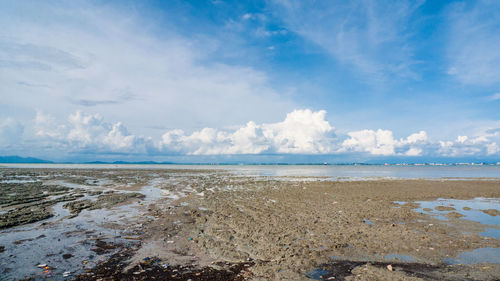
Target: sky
[263,81]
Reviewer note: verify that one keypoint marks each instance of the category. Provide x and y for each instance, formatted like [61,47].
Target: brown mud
[216,226]
[153,269]
[289,228]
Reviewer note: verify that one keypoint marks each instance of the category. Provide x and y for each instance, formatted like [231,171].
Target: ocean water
[334,172]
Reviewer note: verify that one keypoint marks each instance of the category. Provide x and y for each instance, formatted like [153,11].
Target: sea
[329,172]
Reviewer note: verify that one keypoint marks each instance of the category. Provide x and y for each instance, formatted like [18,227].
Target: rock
[445,208]
[491,212]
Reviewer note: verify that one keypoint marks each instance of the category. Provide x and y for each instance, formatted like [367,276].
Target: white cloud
[492,148]
[413,152]
[473,42]
[246,16]
[87,133]
[417,138]
[462,139]
[483,143]
[378,142]
[302,131]
[382,142]
[46,126]
[495,96]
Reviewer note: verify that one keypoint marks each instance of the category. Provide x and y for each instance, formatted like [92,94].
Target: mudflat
[217,225]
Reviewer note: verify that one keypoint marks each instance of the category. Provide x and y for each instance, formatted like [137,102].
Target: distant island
[33,160]
[19,159]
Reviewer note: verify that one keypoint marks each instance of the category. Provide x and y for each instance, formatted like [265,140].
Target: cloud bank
[382,142]
[302,131]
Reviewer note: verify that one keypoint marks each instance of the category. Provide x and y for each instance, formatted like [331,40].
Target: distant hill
[19,159]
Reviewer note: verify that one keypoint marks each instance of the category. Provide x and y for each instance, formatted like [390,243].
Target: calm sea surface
[341,172]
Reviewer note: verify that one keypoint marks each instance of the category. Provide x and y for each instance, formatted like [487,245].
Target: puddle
[18,181]
[152,193]
[481,255]
[470,209]
[398,257]
[491,232]
[60,211]
[174,195]
[47,241]
[316,274]
[69,184]
[368,222]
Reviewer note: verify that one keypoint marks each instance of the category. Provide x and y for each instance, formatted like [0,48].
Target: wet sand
[214,225]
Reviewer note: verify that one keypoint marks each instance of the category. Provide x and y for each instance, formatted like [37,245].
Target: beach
[217,224]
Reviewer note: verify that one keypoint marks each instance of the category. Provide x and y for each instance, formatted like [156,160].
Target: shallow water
[481,255]
[336,172]
[18,181]
[45,242]
[369,222]
[403,258]
[153,193]
[316,274]
[474,214]
[491,232]
[59,211]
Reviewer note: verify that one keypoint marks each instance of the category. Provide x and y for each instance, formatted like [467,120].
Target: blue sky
[338,80]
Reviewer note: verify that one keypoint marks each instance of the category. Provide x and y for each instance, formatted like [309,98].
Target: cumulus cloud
[382,142]
[302,131]
[46,126]
[485,143]
[87,132]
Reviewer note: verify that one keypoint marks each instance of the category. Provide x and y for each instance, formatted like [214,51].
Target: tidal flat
[217,224]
